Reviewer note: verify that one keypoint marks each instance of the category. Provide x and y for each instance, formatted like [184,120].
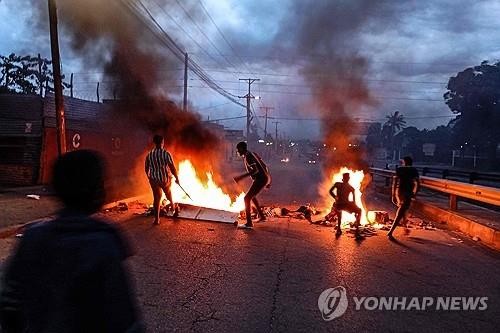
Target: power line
[328,56]
[326,75]
[187,34]
[288,75]
[222,119]
[371,120]
[161,34]
[265,84]
[214,106]
[220,32]
[316,94]
[204,34]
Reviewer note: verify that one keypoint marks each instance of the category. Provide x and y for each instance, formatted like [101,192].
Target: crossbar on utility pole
[248,96]
[56,69]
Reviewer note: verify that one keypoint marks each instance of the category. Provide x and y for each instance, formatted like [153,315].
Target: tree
[441,136]
[409,142]
[395,122]
[374,136]
[26,75]
[474,95]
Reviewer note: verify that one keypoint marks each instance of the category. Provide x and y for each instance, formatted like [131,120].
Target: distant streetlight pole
[56,69]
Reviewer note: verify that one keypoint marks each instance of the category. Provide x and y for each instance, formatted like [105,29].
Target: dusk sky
[406,50]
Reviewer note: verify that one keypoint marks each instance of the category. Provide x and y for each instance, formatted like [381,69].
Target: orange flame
[203,194]
[356,181]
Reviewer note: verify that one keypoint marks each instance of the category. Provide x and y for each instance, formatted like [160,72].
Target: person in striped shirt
[159,167]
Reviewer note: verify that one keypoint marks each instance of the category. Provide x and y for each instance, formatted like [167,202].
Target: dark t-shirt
[407,175]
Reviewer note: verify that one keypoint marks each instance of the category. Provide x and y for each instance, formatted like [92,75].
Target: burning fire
[204,195]
[356,181]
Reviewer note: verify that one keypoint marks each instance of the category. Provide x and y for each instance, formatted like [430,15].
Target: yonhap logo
[333,303]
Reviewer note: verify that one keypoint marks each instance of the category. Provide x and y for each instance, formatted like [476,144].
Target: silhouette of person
[67,274]
[341,193]
[158,166]
[404,189]
[258,171]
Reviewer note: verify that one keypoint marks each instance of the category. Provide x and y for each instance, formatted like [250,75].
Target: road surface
[209,277]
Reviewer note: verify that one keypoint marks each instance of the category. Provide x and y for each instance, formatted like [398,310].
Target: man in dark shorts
[404,189]
[261,178]
[341,192]
[159,166]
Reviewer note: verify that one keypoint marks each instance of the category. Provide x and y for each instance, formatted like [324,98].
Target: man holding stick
[159,166]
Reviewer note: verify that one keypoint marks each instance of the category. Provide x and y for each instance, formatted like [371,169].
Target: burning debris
[204,193]
[303,212]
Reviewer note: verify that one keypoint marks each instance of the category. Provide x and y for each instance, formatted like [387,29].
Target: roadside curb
[487,235]
[12,230]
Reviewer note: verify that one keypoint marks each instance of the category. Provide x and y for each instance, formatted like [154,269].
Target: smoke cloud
[109,35]
[326,35]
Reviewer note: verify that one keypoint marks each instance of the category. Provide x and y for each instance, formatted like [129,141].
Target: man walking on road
[404,189]
[259,173]
[159,167]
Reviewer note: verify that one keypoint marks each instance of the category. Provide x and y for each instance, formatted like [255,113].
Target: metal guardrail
[486,194]
[471,176]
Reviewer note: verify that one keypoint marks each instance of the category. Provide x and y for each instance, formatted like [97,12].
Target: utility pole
[97,92]
[40,82]
[276,134]
[266,108]
[71,86]
[248,97]
[184,103]
[56,69]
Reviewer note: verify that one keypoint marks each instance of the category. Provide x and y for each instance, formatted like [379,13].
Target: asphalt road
[209,277]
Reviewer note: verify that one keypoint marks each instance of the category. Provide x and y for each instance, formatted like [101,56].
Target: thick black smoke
[326,34]
[109,35]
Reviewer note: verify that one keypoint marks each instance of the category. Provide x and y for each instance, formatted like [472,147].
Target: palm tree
[395,122]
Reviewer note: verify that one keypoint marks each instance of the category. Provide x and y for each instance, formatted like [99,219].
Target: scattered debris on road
[33,196]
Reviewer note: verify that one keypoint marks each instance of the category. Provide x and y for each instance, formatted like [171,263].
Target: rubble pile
[123,207]
[304,212]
